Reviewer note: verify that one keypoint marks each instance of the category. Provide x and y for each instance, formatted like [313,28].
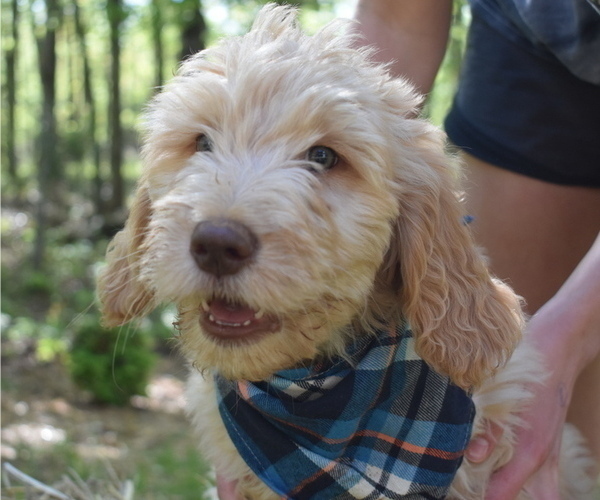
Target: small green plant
[113,364]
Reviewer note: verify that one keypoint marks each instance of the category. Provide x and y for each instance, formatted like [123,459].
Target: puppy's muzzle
[223,247]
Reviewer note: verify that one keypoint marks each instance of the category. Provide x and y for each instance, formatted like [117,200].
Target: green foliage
[52,312]
[23,331]
[37,282]
[439,101]
[40,308]
[110,363]
[182,465]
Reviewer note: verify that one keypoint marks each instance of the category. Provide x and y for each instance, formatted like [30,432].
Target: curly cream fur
[379,236]
[122,295]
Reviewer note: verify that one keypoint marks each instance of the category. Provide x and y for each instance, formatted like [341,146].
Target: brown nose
[222,246]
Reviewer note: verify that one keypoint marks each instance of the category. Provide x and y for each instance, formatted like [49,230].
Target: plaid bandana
[379,424]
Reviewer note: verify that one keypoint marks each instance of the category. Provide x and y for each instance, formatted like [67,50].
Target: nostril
[222,246]
[235,253]
[198,248]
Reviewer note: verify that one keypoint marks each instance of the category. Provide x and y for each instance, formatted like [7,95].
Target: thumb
[482,445]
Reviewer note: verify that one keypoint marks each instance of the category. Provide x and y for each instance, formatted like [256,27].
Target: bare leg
[535,233]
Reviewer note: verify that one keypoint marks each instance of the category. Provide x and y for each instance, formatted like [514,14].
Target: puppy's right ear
[123,296]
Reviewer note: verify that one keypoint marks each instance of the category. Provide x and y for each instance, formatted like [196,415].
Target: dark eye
[203,143]
[324,156]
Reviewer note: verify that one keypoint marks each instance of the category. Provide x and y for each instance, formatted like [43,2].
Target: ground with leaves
[50,427]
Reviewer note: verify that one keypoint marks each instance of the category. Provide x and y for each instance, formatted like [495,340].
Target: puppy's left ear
[466,323]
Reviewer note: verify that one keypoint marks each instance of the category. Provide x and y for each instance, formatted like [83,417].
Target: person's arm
[412,34]
[566,330]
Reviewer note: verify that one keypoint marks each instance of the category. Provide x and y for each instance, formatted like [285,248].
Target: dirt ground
[50,426]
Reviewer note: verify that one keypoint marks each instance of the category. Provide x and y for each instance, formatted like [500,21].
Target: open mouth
[233,321]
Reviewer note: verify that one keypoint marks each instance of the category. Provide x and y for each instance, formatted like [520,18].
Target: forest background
[75,77]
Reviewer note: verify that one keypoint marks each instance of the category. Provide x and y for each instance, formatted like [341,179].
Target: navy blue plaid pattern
[380,424]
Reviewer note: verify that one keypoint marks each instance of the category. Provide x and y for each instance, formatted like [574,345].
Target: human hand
[227,489]
[534,465]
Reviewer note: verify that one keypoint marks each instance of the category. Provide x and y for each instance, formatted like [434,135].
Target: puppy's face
[267,167]
[285,180]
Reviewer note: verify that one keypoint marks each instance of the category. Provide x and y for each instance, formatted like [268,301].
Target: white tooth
[259,314]
[211,318]
[205,306]
[225,323]
[246,323]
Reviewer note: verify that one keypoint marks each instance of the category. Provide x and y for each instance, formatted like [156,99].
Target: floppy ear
[466,324]
[122,294]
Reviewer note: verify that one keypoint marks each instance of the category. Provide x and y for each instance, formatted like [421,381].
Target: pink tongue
[230,313]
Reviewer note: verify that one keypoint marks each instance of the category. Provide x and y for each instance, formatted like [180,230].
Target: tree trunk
[48,171]
[159,58]
[10,51]
[115,18]
[91,107]
[193,28]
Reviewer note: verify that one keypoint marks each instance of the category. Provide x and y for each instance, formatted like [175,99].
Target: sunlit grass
[168,469]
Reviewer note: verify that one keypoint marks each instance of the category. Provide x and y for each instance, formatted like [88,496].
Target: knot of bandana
[377,424]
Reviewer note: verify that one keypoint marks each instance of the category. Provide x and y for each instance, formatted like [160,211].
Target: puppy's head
[287,194]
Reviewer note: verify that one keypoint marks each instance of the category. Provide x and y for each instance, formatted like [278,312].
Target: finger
[479,449]
[227,490]
[482,445]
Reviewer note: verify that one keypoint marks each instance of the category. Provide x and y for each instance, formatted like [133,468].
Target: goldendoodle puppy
[333,307]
